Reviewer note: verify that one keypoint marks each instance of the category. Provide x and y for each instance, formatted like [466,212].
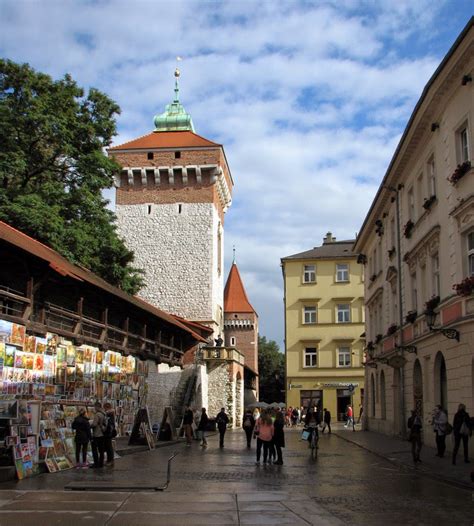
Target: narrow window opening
[149,209]
[150,156]
[180,208]
[177,155]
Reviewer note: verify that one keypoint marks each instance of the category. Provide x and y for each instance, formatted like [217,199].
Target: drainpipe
[400,306]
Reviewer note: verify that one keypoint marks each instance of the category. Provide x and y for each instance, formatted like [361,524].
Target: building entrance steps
[398,451]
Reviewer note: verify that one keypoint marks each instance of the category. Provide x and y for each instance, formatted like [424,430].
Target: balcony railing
[223,354]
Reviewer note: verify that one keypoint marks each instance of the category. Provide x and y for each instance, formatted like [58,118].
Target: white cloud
[309,100]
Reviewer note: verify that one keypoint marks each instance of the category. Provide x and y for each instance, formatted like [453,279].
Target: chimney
[328,239]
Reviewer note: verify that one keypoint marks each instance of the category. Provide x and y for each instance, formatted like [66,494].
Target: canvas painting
[18,334]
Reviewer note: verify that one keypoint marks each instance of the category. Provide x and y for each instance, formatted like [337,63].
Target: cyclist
[312,423]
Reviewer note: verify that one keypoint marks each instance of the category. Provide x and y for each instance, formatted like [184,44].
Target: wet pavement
[346,484]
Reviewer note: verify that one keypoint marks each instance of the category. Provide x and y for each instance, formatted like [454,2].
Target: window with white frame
[470,253]
[309,315]
[342,272]
[233,341]
[309,273]
[411,204]
[343,313]
[414,292]
[311,357]
[431,169]
[463,144]
[435,274]
[344,357]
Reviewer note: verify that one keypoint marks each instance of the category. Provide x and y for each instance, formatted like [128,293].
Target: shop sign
[341,384]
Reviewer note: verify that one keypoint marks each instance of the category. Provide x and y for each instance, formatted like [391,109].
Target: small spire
[177,74]
[233,260]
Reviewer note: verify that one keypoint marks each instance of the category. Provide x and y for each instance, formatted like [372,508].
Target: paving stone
[276,517]
[179,507]
[169,519]
[177,496]
[262,496]
[60,505]
[68,496]
[48,518]
[261,506]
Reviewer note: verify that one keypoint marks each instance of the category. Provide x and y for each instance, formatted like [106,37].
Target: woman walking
[279,436]
[462,431]
[202,427]
[248,424]
[83,435]
[264,433]
[440,420]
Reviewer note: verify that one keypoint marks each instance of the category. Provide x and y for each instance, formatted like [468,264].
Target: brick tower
[172,195]
[241,330]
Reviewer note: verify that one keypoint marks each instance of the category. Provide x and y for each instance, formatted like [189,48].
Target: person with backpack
[462,431]
[415,425]
[222,420]
[110,432]
[99,425]
[248,423]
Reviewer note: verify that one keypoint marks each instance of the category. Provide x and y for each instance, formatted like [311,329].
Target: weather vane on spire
[177,74]
[233,250]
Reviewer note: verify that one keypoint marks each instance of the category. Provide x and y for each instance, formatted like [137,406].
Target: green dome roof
[174,117]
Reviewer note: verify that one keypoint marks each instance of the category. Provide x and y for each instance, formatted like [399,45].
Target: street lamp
[451,334]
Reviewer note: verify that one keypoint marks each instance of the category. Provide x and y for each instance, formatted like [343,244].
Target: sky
[308,98]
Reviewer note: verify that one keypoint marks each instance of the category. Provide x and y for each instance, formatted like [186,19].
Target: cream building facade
[417,243]
[324,309]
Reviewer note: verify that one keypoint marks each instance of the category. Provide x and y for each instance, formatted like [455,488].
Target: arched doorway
[440,382]
[383,406]
[418,389]
[397,396]
[372,396]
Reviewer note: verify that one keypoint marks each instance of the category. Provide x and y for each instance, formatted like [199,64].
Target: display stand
[167,429]
[138,436]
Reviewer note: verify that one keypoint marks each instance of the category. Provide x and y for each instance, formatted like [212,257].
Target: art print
[51,465]
[5,331]
[18,334]
[52,342]
[41,344]
[70,355]
[30,343]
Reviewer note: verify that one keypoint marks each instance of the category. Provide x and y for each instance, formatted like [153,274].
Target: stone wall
[220,390]
[175,246]
[162,382]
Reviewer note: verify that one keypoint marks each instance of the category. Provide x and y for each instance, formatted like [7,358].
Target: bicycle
[313,441]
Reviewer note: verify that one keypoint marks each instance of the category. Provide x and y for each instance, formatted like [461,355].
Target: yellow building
[324,322]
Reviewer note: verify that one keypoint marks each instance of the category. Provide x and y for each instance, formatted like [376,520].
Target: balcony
[223,354]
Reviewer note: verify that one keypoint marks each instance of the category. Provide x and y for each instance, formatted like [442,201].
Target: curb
[428,474]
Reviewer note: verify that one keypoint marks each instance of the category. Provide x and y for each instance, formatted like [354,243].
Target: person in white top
[439,422]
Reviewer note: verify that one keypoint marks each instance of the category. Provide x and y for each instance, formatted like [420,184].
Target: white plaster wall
[162,382]
[177,253]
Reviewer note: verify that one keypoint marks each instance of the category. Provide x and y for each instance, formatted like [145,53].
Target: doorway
[343,400]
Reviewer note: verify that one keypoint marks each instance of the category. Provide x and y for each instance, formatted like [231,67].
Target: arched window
[440,381]
[383,407]
[372,396]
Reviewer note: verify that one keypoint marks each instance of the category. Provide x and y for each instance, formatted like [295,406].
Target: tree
[271,370]
[53,170]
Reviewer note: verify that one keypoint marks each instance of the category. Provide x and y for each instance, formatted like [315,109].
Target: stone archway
[238,400]
[440,381]
[418,388]
[383,404]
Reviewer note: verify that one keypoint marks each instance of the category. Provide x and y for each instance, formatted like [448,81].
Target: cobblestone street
[345,485]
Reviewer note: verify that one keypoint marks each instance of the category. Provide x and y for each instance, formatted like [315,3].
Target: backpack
[449,428]
[108,427]
[247,422]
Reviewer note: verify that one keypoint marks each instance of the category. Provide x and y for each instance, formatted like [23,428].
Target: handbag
[464,430]
[305,435]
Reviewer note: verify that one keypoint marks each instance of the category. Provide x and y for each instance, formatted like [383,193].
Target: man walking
[222,420]
[350,419]
[414,424]
[98,441]
[326,420]
[188,419]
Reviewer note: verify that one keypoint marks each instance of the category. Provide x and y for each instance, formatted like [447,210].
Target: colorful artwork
[5,331]
[52,342]
[30,343]
[10,355]
[38,362]
[70,355]
[51,465]
[18,334]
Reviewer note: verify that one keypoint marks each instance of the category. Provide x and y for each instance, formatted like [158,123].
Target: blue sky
[308,98]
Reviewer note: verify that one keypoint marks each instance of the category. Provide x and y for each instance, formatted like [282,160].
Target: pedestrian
[462,430]
[349,419]
[188,419]
[219,341]
[256,414]
[415,425]
[110,433]
[98,444]
[326,420]
[222,420]
[83,436]
[294,417]
[440,421]
[300,415]
[279,436]
[264,434]
[248,424]
[202,427]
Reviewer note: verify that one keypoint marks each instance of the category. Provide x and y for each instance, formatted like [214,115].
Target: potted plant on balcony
[432,303]
[391,252]
[362,259]
[370,349]
[428,201]
[408,228]
[466,287]
[378,338]
[392,329]
[373,277]
[460,172]
[411,316]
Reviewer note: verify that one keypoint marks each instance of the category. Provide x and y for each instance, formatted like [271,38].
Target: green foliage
[53,170]
[271,370]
